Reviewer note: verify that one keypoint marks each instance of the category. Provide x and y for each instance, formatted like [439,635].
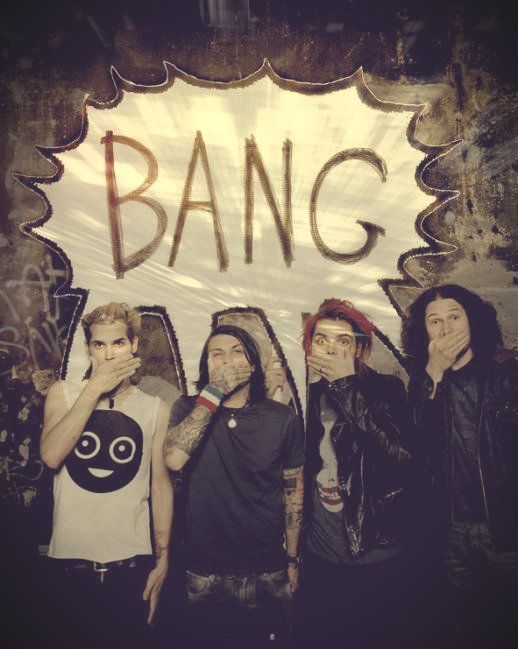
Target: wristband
[210,397]
[294,560]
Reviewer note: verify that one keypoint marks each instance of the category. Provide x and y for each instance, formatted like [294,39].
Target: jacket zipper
[478,450]
[450,450]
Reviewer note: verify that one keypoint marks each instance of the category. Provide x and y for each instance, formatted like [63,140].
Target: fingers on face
[454,343]
[452,337]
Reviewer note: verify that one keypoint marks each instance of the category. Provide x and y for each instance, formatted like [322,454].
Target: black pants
[482,587]
[354,607]
[86,612]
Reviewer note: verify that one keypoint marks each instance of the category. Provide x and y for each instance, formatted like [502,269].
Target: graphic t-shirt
[235,513]
[325,536]
[101,492]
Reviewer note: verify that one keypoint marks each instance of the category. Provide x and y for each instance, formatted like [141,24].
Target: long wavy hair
[486,336]
[334,309]
[257,380]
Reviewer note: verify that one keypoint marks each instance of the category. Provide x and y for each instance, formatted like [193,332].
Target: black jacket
[367,439]
[497,442]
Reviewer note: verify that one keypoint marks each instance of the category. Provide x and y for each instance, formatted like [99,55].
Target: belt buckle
[100,570]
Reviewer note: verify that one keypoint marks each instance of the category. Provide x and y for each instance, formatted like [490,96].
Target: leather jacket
[497,448]
[372,462]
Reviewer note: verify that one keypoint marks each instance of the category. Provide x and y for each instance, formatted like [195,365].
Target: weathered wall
[457,58]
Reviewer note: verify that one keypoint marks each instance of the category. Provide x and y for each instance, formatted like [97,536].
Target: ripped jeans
[236,611]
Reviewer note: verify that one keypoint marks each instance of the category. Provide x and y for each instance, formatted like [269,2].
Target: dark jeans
[353,606]
[482,588]
[90,613]
[234,611]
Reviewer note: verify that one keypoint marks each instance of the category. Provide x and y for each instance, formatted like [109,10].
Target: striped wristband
[210,397]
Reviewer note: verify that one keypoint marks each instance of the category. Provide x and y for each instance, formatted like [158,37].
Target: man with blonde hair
[104,438]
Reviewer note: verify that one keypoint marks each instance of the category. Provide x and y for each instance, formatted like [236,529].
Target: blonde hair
[110,313]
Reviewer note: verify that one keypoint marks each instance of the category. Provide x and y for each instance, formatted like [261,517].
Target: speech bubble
[194,197]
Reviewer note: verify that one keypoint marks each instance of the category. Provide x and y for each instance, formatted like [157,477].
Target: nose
[331,348]
[108,353]
[447,327]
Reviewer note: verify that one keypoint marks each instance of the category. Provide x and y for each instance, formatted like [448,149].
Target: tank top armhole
[155,414]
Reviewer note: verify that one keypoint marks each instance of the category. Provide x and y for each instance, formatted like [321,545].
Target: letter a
[207,206]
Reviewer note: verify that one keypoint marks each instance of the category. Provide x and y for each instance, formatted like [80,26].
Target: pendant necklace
[111,399]
[232,421]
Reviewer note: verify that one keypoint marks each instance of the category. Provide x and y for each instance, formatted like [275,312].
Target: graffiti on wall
[32,335]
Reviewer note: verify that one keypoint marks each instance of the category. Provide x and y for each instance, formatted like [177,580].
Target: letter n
[284,225]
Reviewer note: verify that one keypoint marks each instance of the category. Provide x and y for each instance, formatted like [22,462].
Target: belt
[98,568]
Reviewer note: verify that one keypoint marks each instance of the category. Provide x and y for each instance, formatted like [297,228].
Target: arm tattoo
[293,505]
[189,432]
[161,546]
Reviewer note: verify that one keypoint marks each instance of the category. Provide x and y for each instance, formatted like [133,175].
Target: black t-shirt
[235,513]
[464,386]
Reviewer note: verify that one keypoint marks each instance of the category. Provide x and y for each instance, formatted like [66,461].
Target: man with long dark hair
[244,496]
[353,581]
[465,407]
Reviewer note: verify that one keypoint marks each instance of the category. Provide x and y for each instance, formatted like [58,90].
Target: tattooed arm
[162,507]
[293,504]
[182,439]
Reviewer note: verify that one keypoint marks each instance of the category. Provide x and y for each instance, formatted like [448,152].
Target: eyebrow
[220,349]
[352,334]
[434,315]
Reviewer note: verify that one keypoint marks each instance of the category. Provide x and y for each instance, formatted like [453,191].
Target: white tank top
[101,492]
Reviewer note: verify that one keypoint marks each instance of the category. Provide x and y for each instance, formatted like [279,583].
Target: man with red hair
[356,467]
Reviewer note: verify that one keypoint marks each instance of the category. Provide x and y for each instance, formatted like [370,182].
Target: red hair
[335,309]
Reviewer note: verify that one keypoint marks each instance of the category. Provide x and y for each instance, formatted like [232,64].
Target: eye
[120,343]
[122,450]
[97,344]
[455,317]
[87,446]
[320,341]
[345,342]
[238,351]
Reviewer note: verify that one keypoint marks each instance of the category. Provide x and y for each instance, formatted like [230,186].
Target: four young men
[244,456]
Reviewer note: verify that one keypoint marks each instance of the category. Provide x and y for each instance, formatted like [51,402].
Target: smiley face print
[108,454]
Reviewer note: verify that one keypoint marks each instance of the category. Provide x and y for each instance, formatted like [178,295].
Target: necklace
[111,399]
[232,421]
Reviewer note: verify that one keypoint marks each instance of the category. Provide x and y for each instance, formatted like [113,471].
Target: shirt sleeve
[181,408]
[293,451]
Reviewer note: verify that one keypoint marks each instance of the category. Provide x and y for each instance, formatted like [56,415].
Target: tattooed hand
[229,377]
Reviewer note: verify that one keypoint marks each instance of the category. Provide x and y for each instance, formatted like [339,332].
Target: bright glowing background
[319,126]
